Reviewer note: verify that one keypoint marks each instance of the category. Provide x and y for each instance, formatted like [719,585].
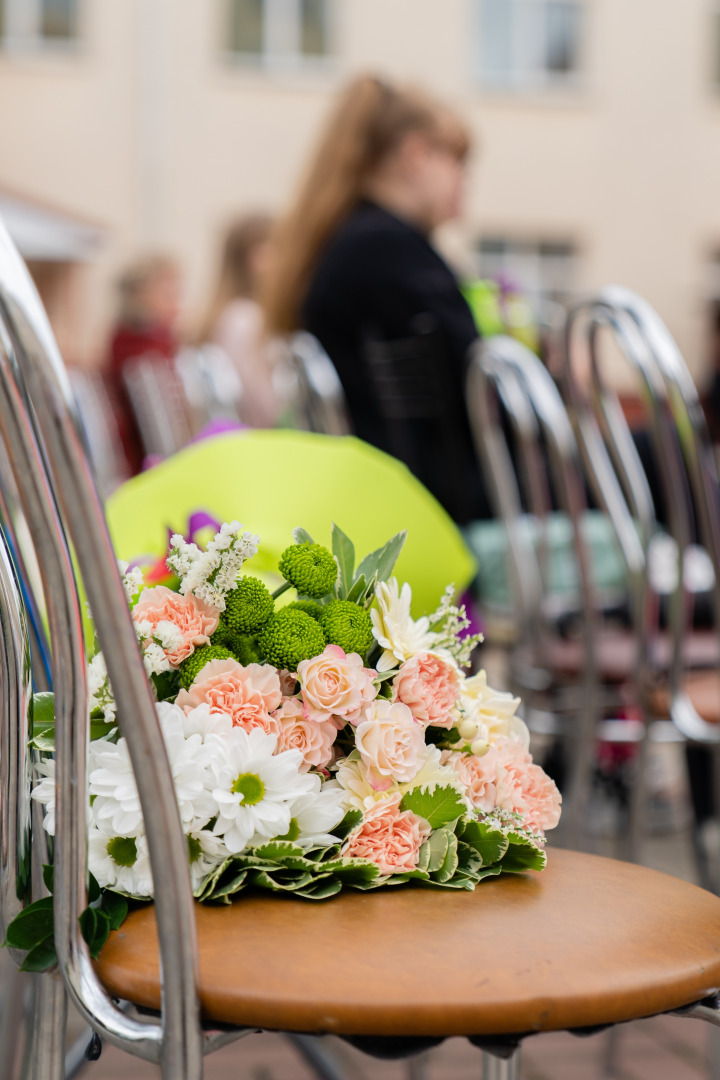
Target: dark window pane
[246,26]
[562,40]
[313,27]
[58,18]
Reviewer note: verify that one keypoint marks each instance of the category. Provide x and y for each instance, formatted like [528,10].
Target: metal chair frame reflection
[502,369]
[318,394]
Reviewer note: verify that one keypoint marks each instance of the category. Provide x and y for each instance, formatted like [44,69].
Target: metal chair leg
[13,1029]
[321,1062]
[495,1068]
[47,1028]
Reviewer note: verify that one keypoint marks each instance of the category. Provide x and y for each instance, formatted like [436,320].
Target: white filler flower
[398,634]
[254,787]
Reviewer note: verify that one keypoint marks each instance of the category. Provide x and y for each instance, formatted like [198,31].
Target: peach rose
[335,685]
[195,620]
[388,836]
[313,739]
[430,687]
[246,694]
[477,775]
[391,743]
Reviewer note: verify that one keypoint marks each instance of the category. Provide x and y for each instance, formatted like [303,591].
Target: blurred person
[234,319]
[149,304]
[352,262]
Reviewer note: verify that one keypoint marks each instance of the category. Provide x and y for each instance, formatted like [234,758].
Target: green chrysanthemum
[347,625]
[191,668]
[248,606]
[311,568]
[289,637]
[310,607]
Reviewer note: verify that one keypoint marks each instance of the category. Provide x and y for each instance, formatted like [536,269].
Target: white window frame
[282,37]
[527,250]
[524,77]
[22,22]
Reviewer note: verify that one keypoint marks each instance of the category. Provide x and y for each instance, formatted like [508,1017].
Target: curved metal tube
[507,362]
[31,371]
[15,722]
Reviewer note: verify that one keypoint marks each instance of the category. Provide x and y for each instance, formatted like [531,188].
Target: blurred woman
[353,262]
[234,319]
[149,298]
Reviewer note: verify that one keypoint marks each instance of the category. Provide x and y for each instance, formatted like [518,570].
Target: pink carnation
[246,694]
[506,779]
[313,739]
[391,743]
[195,619]
[429,686]
[336,686]
[388,836]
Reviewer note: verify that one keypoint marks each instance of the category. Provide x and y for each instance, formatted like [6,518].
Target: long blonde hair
[236,276]
[369,121]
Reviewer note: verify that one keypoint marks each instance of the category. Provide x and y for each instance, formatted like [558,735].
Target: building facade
[152,123]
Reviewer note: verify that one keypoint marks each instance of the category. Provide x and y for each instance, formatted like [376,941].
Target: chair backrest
[159,403]
[61,505]
[319,398]
[212,384]
[681,448]
[100,427]
[503,368]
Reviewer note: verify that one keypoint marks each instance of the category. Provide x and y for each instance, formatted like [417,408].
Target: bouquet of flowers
[327,742]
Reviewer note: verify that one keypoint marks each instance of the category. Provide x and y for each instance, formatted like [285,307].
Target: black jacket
[377,280]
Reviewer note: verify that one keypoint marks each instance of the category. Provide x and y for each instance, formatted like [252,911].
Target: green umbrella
[273,481]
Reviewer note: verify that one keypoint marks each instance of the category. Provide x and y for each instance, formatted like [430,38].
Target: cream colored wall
[150,131]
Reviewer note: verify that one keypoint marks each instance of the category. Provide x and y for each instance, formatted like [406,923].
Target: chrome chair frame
[319,393]
[56,492]
[533,405]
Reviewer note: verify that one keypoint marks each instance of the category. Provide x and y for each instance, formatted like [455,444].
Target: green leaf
[438,807]
[357,592]
[41,957]
[522,854]
[33,925]
[93,889]
[95,927]
[344,551]
[115,907]
[489,842]
[43,711]
[382,561]
[99,729]
[437,849]
[302,536]
[320,890]
[348,823]
[48,877]
[450,863]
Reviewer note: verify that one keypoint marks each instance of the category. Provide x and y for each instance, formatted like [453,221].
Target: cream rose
[335,686]
[391,742]
[314,739]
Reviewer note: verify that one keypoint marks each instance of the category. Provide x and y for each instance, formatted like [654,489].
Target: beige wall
[148,130]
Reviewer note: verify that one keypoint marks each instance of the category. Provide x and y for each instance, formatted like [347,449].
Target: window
[283,33]
[529,44]
[544,270]
[33,23]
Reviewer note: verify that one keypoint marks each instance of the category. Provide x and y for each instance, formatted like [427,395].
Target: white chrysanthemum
[203,721]
[316,814]
[254,787]
[121,863]
[359,794]
[116,804]
[206,851]
[399,635]
[100,695]
[493,711]
[44,792]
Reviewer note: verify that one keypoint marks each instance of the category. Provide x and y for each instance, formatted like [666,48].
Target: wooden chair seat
[703,689]
[589,941]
